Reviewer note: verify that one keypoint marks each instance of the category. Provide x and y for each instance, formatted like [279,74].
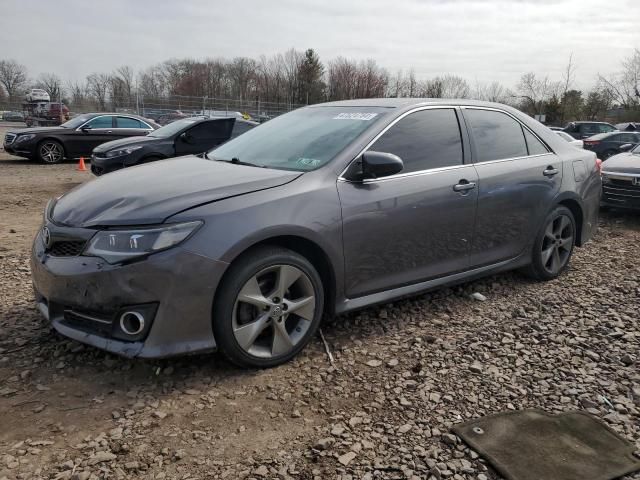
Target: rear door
[415,225]
[518,179]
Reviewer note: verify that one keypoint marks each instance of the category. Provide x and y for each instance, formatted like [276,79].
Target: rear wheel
[50,151]
[554,244]
[268,307]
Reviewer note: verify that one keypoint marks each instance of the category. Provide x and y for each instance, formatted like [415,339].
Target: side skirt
[350,304]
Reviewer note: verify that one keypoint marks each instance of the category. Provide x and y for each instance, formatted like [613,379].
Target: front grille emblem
[46,237]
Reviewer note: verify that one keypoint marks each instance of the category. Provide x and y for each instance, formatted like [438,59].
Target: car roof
[407,102]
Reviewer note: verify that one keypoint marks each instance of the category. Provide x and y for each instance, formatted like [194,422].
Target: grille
[66,248]
[9,138]
[90,322]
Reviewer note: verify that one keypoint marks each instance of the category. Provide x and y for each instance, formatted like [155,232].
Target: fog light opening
[132,323]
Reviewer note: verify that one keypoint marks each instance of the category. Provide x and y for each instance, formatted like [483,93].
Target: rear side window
[127,122]
[604,128]
[496,135]
[535,146]
[626,137]
[424,140]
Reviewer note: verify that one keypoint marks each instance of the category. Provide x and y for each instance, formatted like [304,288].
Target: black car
[193,135]
[75,138]
[608,144]
[581,130]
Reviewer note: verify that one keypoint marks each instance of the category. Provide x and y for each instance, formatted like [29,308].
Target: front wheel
[268,308]
[50,151]
[553,245]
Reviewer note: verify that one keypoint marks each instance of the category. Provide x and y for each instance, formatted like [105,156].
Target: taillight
[599,165]
[591,143]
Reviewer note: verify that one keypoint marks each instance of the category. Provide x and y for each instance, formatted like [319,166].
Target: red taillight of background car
[599,165]
[591,143]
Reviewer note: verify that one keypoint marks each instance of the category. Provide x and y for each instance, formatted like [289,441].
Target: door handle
[550,171]
[464,186]
[109,131]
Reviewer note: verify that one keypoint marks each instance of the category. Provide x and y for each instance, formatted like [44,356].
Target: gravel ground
[403,374]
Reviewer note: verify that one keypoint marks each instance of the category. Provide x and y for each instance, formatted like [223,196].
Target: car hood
[124,142]
[149,194]
[623,163]
[19,131]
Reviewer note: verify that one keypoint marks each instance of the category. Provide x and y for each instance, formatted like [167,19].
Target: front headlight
[122,151]
[116,246]
[24,137]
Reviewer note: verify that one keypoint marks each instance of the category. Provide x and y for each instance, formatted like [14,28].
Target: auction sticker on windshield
[355,116]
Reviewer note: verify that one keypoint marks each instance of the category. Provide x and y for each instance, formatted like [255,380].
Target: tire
[254,323]
[50,151]
[554,245]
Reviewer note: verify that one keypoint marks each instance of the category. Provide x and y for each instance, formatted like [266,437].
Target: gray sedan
[621,180]
[321,211]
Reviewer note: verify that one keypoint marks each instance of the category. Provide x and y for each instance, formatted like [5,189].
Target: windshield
[76,121]
[636,149]
[301,140]
[173,128]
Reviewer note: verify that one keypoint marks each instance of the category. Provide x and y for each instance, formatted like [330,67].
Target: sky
[480,40]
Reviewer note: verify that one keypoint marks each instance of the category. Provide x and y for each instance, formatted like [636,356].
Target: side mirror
[86,128]
[375,165]
[626,147]
[185,137]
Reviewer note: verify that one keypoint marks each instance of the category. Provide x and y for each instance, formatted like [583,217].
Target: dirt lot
[403,374]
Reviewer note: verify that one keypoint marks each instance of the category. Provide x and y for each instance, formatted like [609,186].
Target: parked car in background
[628,126]
[167,118]
[581,130]
[323,210]
[75,138]
[183,137]
[607,144]
[37,95]
[621,180]
[569,138]
[13,117]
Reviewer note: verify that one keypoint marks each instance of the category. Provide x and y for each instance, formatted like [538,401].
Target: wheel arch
[309,249]
[574,204]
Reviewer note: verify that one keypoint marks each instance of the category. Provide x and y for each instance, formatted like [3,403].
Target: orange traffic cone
[81,166]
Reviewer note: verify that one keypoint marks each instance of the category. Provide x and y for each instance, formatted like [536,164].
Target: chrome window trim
[385,129]
[511,159]
[409,174]
[522,125]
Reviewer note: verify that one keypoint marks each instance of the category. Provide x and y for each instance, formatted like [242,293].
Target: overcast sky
[478,39]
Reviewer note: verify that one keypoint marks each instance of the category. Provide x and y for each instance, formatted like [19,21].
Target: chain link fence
[155,106]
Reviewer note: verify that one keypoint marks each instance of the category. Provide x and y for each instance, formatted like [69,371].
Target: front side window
[302,140]
[101,122]
[604,128]
[496,135]
[423,140]
[208,130]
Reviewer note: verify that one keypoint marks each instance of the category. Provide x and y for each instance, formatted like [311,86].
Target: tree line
[295,78]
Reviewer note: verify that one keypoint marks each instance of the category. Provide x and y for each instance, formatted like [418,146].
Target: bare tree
[13,77]
[52,84]
[77,95]
[97,86]
[491,92]
[535,92]
[568,78]
[625,85]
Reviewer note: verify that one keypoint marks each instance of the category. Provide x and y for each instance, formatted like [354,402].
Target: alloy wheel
[273,311]
[51,152]
[557,243]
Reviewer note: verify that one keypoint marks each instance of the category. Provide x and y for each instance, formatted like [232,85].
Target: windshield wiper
[237,161]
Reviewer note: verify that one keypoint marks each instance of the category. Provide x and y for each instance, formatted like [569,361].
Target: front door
[518,179]
[415,225]
[96,131]
[204,136]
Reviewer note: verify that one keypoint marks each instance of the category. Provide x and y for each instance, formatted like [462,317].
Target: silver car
[324,210]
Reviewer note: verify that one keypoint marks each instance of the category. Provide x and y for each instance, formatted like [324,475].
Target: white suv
[37,95]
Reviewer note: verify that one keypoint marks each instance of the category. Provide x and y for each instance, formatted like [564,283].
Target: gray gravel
[404,373]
